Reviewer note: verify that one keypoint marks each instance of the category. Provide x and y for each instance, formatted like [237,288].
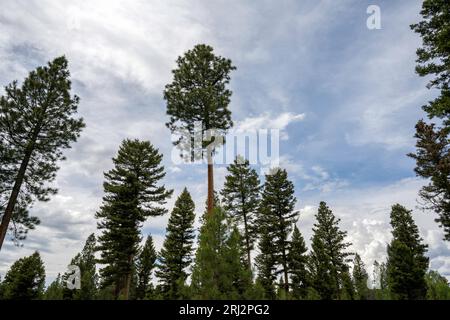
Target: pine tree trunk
[116,290]
[13,198]
[247,242]
[285,271]
[19,179]
[126,289]
[210,201]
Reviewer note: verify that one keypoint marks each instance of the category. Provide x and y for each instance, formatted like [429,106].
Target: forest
[249,245]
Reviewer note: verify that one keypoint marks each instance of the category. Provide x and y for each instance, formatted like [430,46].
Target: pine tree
[25,279]
[199,93]
[176,254]
[298,265]
[219,272]
[328,258]
[432,155]
[241,197]
[132,194]
[278,216]
[55,290]
[433,58]
[266,264]
[36,123]
[437,285]
[347,287]
[237,269]
[86,261]
[144,267]
[360,278]
[21,221]
[407,264]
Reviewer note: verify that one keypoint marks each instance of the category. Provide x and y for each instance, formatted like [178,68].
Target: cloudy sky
[345,98]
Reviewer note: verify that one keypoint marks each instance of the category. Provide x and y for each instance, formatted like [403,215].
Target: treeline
[249,245]
[249,248]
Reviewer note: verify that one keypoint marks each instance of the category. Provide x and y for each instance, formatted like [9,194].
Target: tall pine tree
[328,258]
[37,121]
[241,197]
[407,264]
[278,216]
[199,93]
[176,254]
[433,155]
[132,194]
[298,260]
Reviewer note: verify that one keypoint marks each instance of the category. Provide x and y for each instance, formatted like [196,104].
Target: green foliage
[199,92]
[437,285]
[432,155]
[433,57]
[144,267]
[380,284]
[132,194]
[298,260]
[218,272]
[25,279]
[328,258]
[36,123]
[347,287]
[277,217]
[360,278]
[241,197]
[407,264]
[86,261]
[267,264]
[55,290]
[432,162]
[176,254]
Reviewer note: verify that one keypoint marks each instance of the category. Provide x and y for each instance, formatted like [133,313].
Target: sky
[344,97]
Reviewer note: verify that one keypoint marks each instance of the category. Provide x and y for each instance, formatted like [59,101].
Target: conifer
[176,255]
[328,258]
[407,264]
[132,194]
[277,216]
[241,197]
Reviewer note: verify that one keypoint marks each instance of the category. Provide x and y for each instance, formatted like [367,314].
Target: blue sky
[345,98]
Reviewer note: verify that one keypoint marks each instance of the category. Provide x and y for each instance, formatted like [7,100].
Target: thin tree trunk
[286,276]
[210,201]
[116,290]
[247,242]
[126,289]
[14,195]
[19,179]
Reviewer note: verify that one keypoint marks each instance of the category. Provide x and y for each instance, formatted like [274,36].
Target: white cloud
[121,54]
[364,214]
[269,121]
